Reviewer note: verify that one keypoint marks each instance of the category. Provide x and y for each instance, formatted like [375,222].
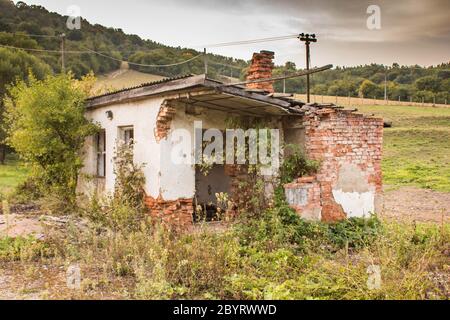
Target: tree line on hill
[33,27]
[431,84]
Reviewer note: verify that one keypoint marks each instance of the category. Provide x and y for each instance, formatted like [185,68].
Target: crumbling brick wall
[349,148]
[176,213]
[163,120]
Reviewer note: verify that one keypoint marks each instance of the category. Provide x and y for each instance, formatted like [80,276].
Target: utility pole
[385,85]
[307,39]
[63,48]
[206,61]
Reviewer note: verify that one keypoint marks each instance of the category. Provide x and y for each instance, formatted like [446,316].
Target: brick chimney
[261,68]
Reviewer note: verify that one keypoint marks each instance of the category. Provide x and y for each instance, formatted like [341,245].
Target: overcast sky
[412,31]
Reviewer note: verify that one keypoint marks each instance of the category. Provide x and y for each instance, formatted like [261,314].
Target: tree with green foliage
[428,83]
[16,65]
[368,89]
[46,126]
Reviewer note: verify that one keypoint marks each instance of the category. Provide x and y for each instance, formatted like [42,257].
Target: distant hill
[44,28]
[29,26]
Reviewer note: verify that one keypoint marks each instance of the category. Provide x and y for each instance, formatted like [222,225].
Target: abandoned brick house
[347,144]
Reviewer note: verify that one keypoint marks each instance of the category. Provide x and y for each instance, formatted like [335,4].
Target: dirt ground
[414,204]
[406,204]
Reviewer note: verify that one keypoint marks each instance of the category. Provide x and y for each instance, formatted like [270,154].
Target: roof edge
[145,90]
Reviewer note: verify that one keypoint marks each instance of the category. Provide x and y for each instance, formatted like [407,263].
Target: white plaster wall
[353,192]
[178,179]
[356,204]
[142,116]
[163,176]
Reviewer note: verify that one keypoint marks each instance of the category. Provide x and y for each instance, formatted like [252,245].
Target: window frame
[123,134]
[100,154]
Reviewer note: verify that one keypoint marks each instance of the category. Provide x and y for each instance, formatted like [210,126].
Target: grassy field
[11,174]
[417,147]
[123,78]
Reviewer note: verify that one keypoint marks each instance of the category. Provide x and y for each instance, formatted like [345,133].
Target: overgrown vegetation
[276,257]
[124,209]
[296,165]
[270,254]
[46,126]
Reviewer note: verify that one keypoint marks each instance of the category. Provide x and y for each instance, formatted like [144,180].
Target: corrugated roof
[146,84]
[282,102]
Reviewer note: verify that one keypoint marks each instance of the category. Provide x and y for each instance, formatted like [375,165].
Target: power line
[103,55]
[226,65]
[251,41]
[35,35]
[146,65]
[215,45]
[41,50]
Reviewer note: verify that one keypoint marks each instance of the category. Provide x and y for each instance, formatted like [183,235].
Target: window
[101,153]
[127,134]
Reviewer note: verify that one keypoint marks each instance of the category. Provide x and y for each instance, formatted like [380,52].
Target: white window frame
[100,154]
[123,134]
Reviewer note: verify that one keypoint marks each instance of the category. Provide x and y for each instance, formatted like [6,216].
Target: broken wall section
[349,181]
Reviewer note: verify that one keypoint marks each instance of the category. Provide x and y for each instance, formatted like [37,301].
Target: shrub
[354,232]
[125,209]
[296,165]
[24,249]
[46,126]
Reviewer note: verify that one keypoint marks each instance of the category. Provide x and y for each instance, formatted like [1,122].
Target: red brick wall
[176,213]
[261,68]
[163,121]
[337,138]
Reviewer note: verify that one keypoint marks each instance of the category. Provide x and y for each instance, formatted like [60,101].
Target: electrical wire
[103,55]
[147,65]
[41,50]
[252,41]
[223,44]
[35,35]
[225,65]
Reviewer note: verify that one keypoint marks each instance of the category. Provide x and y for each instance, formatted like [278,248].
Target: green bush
[296,165]
[47,128]
[21,248]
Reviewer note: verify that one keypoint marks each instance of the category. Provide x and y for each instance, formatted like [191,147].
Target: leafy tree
[368,89]
[16,65]
[424,95]
[428,83]
[320,89]
[47,127]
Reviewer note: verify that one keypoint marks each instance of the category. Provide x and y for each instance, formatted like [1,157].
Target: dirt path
[406,203]
[15,225]
[410,203]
